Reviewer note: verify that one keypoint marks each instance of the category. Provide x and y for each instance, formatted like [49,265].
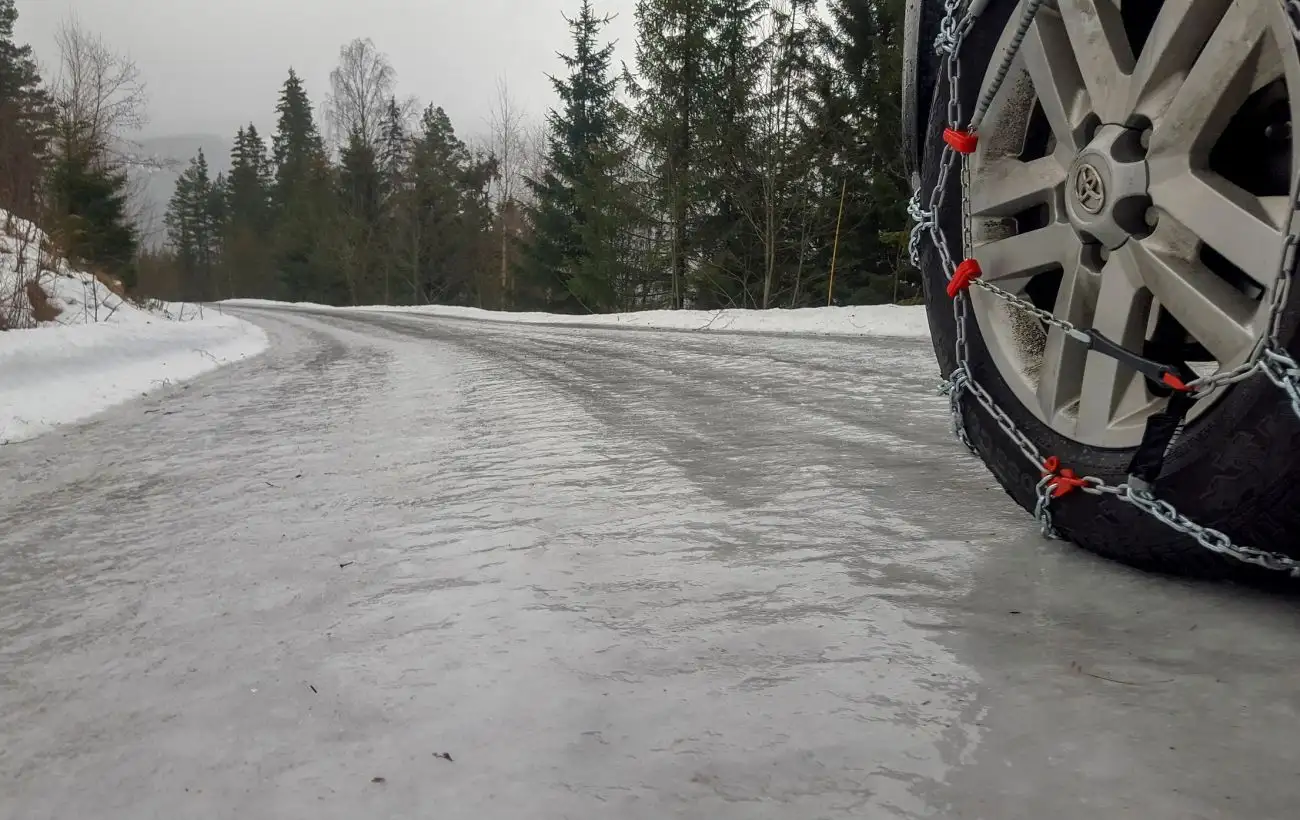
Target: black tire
[1236,468]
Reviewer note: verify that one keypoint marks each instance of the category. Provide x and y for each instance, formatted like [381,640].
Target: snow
[863,320]
[101,349]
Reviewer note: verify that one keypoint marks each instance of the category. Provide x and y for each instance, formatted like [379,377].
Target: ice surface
[863,320]
[614,575]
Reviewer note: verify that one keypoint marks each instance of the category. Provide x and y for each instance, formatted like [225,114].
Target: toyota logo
[1089,189]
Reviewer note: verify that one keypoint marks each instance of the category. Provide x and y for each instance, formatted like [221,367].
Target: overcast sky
[212,65]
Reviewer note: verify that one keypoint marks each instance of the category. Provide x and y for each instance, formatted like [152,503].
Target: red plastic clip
[1064,481]
[966,272]
[1175,382]
[963,142]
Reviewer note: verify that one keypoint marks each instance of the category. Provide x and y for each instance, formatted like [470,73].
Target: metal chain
[1004,67]
[922,218]
[1269,345]
[1046,316]
[1042,510]
[1268,356]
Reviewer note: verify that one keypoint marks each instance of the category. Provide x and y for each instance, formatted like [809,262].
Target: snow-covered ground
[863,320]
[100,349]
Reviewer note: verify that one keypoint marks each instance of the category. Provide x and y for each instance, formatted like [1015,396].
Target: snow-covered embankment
[83,348]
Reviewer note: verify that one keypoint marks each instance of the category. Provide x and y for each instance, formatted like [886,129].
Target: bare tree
[99,95]
[507,146]
[534,150]
[360,90]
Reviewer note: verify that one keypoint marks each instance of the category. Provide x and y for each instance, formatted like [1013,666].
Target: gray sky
[212,66]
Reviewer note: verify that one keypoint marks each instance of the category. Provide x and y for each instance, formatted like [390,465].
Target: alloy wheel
[1133,175]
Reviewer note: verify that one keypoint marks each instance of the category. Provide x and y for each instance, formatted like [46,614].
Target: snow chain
[1268,357]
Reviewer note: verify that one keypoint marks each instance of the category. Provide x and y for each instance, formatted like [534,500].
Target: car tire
[1236,468]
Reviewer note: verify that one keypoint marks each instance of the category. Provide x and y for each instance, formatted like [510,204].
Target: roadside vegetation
[746,156]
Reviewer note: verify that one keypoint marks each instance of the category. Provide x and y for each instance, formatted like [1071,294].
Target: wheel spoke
[1011,262]
[1061,377]
[1213,312]
[1225,217]
[1057,81]
[1008,186]
[1102,50]
[1123,307]
[1181,29]
[1213,88]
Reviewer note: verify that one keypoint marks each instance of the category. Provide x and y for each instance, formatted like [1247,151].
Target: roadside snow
[100,350]
[63,375]
[864,320]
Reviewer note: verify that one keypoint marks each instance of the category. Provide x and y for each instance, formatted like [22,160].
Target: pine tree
[250,179]
[93,226]
[580,203]
[195,224]
[393,152]
[672,50]
[859,124]
[393,158]
[359,213]
[733,231]
[297,147]
[246,257]
[182,230]
[450,218]
[303,202]
[24,120]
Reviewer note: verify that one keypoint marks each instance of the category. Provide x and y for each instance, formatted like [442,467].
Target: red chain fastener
[963,142]
[1175,382]
[966,272]
[1064,481]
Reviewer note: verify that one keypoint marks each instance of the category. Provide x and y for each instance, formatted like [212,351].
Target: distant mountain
[155,165]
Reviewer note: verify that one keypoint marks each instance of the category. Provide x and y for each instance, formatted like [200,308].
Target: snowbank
[83,348]
[865,320]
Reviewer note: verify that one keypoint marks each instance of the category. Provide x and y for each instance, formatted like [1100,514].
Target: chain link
[1046,316]
[922,218]
[1211,539]
[1043,509]
[1268,355]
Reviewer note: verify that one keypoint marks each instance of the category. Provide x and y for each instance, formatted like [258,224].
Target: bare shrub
[43,310]
[21,253]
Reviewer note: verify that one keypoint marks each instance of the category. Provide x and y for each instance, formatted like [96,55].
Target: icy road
[403,567]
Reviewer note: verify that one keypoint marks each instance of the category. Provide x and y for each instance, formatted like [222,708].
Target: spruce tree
[450,214]
[393,158]
[673,44]
[303,202]
[250,180]
[580,205]
[195,218]
[246,257]
[858,121]
[360,210]
[24,120]
[733,228]
[93,226]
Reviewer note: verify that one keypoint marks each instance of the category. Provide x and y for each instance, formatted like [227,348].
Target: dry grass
[112,283]
[43,310]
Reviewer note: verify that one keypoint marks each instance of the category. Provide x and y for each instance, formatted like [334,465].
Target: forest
[748,156]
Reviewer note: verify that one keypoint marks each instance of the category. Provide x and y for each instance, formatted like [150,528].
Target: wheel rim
[1133,175]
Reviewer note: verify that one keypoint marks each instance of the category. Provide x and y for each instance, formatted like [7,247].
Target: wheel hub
[1106,193]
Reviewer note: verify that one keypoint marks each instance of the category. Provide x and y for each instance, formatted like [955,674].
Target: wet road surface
[616,574]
